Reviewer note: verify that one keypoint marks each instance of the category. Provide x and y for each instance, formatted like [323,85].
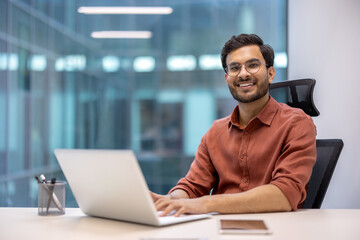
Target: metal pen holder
[51,198]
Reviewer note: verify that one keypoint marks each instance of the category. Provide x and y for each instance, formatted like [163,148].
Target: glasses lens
[233,69]
[253,66]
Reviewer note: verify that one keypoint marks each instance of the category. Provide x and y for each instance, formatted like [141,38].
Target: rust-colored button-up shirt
[277,147]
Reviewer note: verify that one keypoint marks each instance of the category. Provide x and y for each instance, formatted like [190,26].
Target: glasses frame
[245,64]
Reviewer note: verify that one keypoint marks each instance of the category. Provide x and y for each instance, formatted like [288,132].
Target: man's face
[248,87]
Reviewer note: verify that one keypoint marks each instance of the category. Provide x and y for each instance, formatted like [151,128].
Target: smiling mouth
[245,84]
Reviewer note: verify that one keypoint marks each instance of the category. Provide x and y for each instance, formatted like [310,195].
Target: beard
[261,91]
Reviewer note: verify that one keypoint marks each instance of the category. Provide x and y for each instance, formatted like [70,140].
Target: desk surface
[24,223]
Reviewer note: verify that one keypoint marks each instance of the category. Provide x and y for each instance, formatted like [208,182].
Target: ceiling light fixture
[125,10]
[122,34]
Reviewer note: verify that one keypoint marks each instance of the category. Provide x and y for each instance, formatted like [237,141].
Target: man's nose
[243,74]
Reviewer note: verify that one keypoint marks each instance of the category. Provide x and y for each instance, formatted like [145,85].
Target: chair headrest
[296,93]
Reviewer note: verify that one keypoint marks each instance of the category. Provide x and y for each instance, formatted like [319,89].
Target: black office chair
[299,93]
[328,152]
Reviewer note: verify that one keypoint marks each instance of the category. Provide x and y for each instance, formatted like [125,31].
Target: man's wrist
[178,193]
[208,203]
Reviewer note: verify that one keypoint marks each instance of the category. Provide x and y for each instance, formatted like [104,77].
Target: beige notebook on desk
[110,184]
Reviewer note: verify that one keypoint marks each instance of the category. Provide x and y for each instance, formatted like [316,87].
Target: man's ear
[271,74]
[226,78]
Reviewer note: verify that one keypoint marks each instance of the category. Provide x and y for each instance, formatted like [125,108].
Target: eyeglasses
[252,66]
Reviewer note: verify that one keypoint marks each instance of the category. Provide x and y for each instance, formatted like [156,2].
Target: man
[258,159]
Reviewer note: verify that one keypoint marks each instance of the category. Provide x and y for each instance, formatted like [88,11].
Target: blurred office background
[60,87]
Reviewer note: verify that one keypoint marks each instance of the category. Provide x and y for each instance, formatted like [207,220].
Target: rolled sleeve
[294,166]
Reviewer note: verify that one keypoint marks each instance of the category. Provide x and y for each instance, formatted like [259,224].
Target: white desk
[24,223]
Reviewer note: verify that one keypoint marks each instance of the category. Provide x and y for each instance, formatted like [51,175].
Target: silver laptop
[110,184]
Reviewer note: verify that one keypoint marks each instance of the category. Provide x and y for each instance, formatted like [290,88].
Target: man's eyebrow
[250,60]
[253,59]
[234,63]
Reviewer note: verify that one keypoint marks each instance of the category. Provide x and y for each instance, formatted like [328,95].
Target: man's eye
[253,65]
[235,68]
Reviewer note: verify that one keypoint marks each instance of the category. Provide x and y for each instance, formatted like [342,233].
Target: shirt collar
[265,116]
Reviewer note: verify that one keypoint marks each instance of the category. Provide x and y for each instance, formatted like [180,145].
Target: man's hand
[181,206]
[179,202]
[156,196]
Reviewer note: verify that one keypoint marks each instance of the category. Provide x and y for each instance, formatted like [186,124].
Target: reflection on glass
[37,63]
[280,60]
[144,64]
[210,62]
[181,63]
[110,63]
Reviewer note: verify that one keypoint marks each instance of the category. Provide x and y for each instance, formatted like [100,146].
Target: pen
[53,195]
[42,177]
[38,180]
[51,187]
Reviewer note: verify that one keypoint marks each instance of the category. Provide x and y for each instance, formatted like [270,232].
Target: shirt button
[241,156]
[245,180]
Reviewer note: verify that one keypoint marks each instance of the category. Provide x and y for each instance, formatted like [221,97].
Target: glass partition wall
[61,87]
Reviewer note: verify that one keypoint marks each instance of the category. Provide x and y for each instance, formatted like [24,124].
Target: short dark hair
[242,40]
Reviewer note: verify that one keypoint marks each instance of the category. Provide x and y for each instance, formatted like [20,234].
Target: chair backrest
[296,93]
[328,152]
